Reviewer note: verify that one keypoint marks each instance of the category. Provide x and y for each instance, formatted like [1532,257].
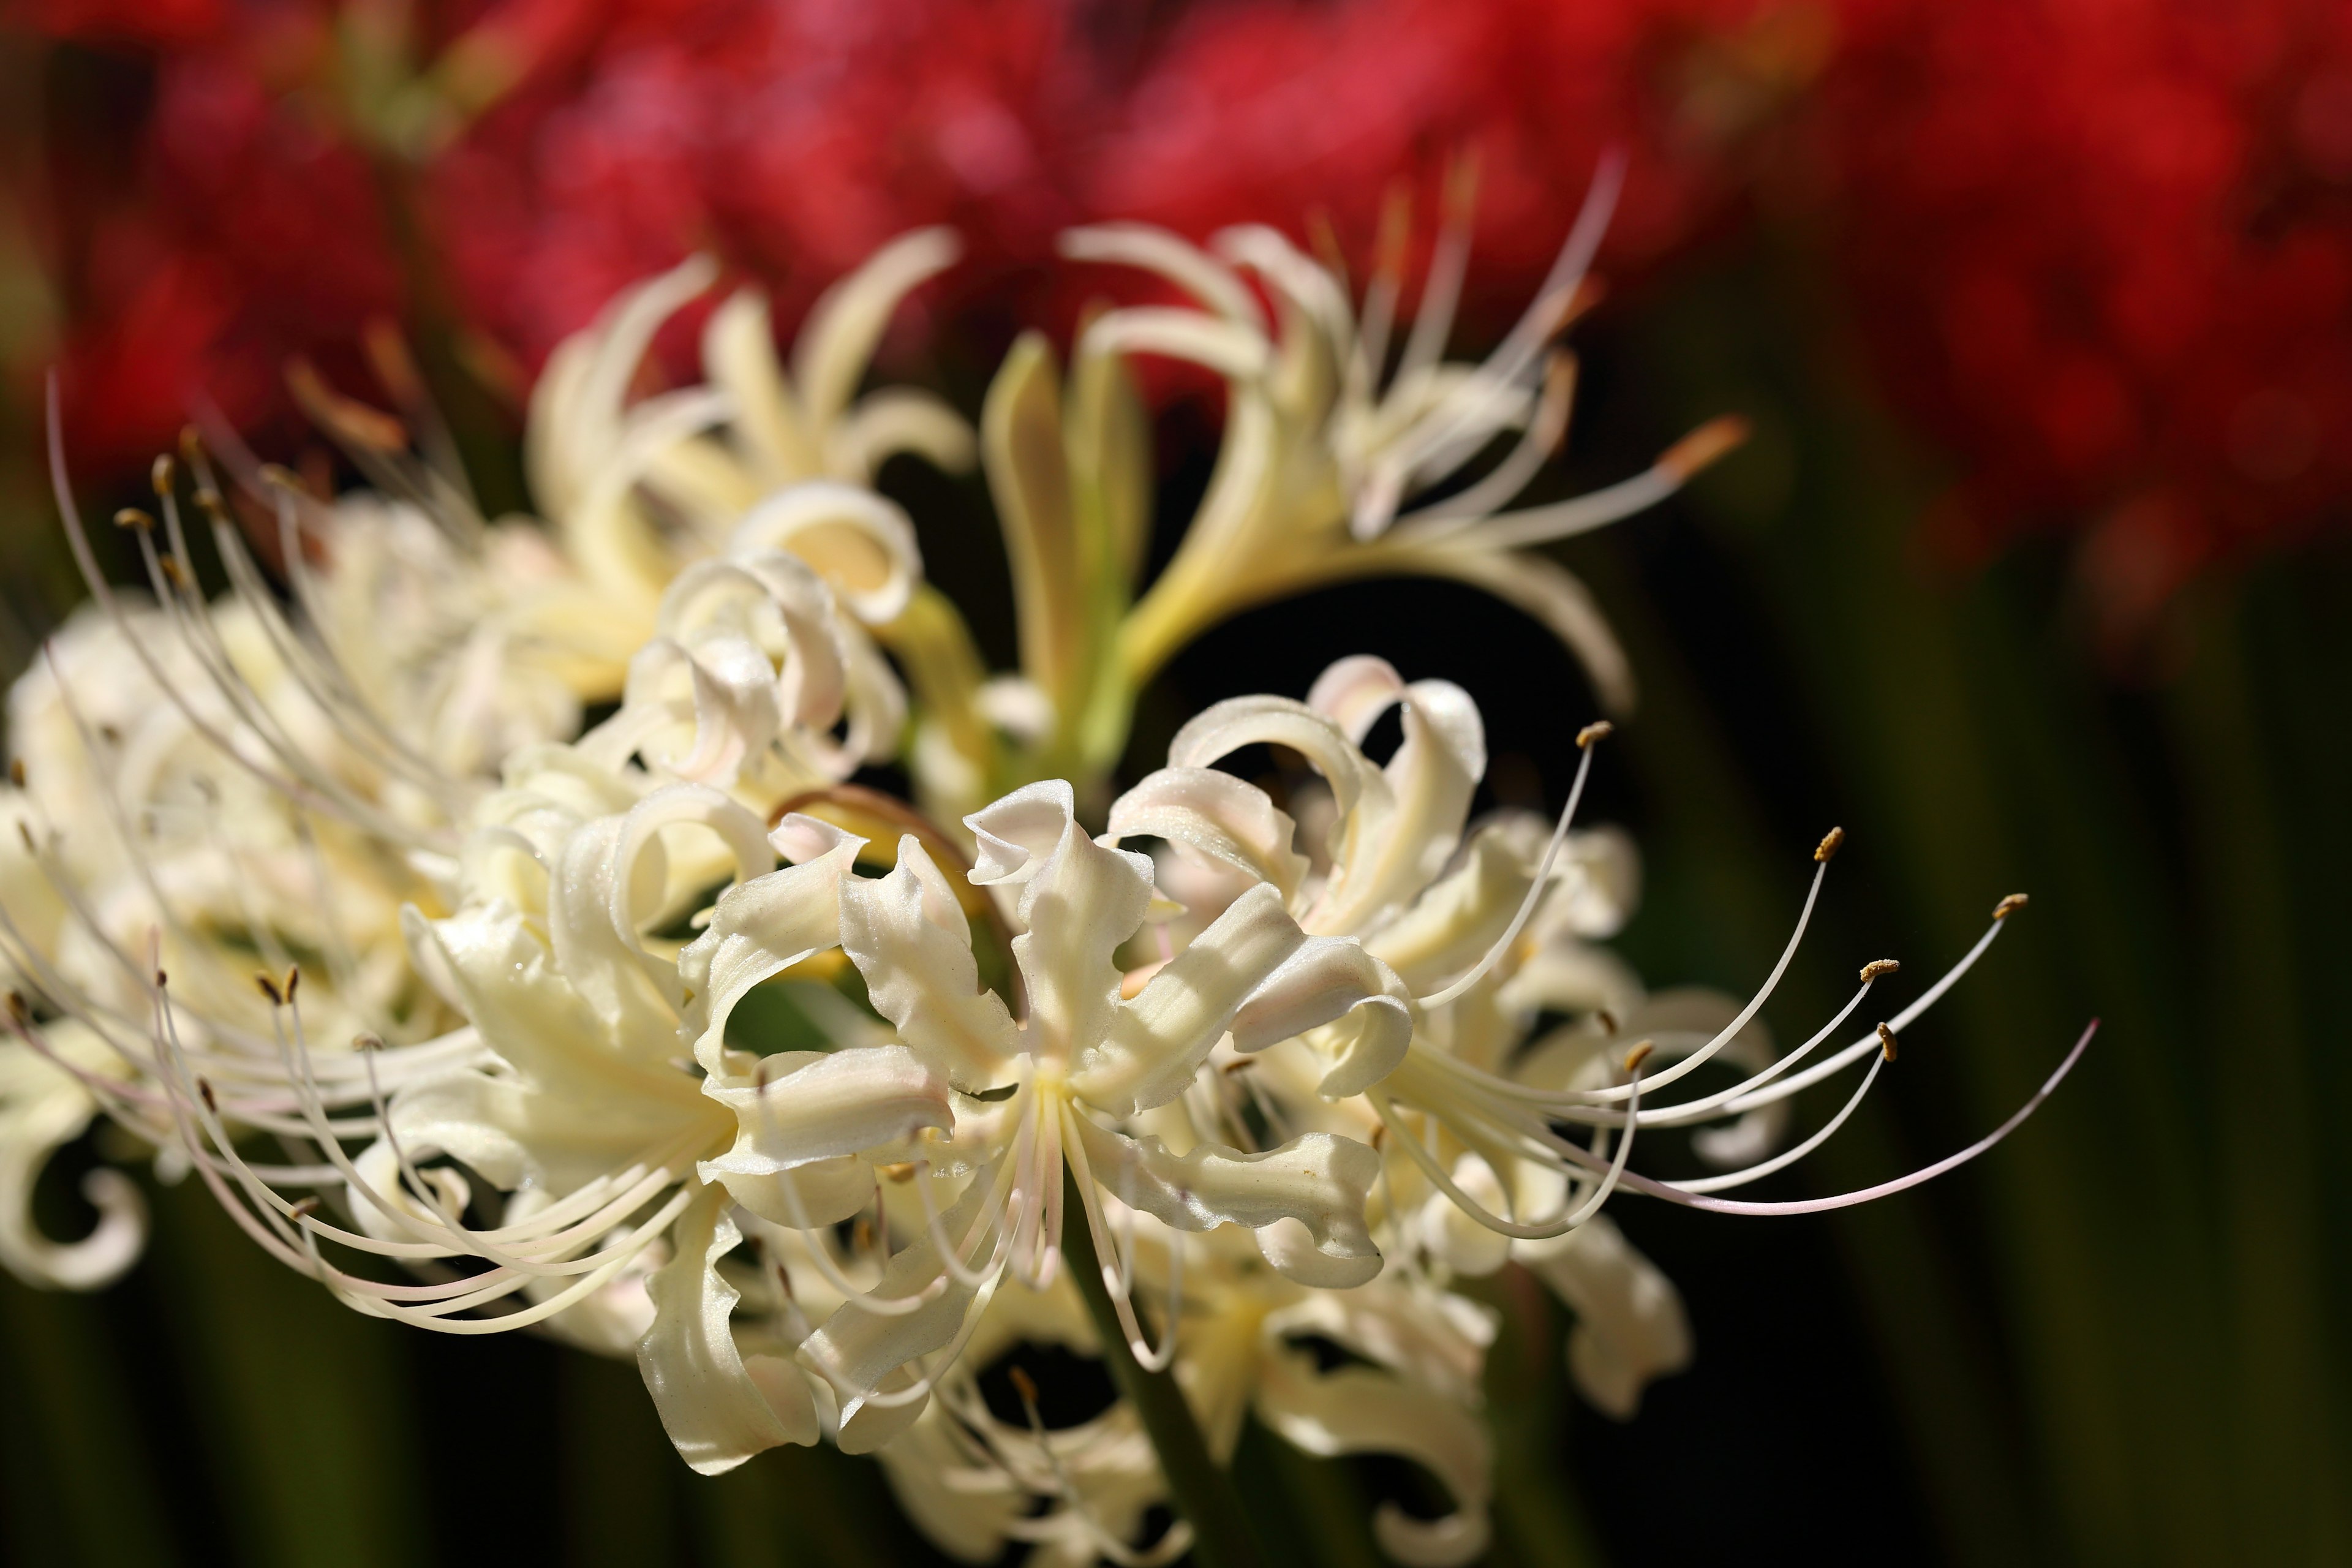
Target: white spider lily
[1451,920]
[1327,455]
[1051,1087]
[609,471]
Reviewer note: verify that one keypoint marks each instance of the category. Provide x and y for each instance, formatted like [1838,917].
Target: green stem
[1221,1537]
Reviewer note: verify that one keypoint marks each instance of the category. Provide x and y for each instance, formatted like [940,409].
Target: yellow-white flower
[1053,1085]
[1328,452]
[1480,1167]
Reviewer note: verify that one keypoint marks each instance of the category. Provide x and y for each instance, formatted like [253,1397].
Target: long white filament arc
[1119,1283]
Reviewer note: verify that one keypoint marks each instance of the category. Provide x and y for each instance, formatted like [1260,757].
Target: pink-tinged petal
[1332,981]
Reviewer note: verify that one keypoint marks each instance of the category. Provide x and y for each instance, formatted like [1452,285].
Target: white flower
[607,470]
[1477,1159]
[1053,1086]
[1324,450]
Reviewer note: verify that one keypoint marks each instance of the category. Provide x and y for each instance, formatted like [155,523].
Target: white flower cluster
[670,1040]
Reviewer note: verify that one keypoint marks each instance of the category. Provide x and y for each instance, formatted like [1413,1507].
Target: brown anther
[293,979]
[1637,1056]
[861,1235]
[19,1012]
[1598,731]
[25,832]
[1829,846]
[162,980]
[269,989]
[1238,1064]
[192,446]
[304,1208]
[1023,1383]
[169,567]
[1379,1137]
[1886,1042]
[366,1041]
[1702,446]
[132,517]
[1606,1019]
[1878,969]
[16,772]
[159,475]
[904,1170]
[205,1089]
[110,734]
[2009,906]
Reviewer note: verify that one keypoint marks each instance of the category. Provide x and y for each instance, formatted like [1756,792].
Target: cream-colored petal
[1430,780]
[909,939]
[739,356]
[837,340]
[861,543]
[1159,1040]
[713,1411]
[1082,904]
[1305,1200]
[1332,984]
[900,419]
[1630,1324]
[1226,726]
[1453,924]
[1359,1410]
[757,930]
[804,1106]
[42,1109]
[856,1351]
[1016,833]
[1216,815]
[1183,263]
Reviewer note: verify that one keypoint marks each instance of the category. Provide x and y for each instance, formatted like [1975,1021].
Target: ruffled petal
[1305,1200]
[1332,981]
[909,937]
[42,1109]
[1218,815]
[1431,779]
[808,1106]
[713,1411]
[1080,903]
[1359,1410]
[859,543]
[760,928]
[1630,1323]
[1159,1040]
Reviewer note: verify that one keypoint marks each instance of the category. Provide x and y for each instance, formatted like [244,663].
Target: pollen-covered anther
[1023,1385]
[2009,906]
[19,1013]
[367,1041]
[903,1171]
[161,473]
[16,772]
[132,517]
[1703,447]
[1599,730]
[205,1092]
[1886,1042]
[1238,1064]
[1637,1056]
[1606,1019]
[293,979]
[170,566]
[269,988]
[1878,969]
[1830,843]
[162,980]
[304,1208]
